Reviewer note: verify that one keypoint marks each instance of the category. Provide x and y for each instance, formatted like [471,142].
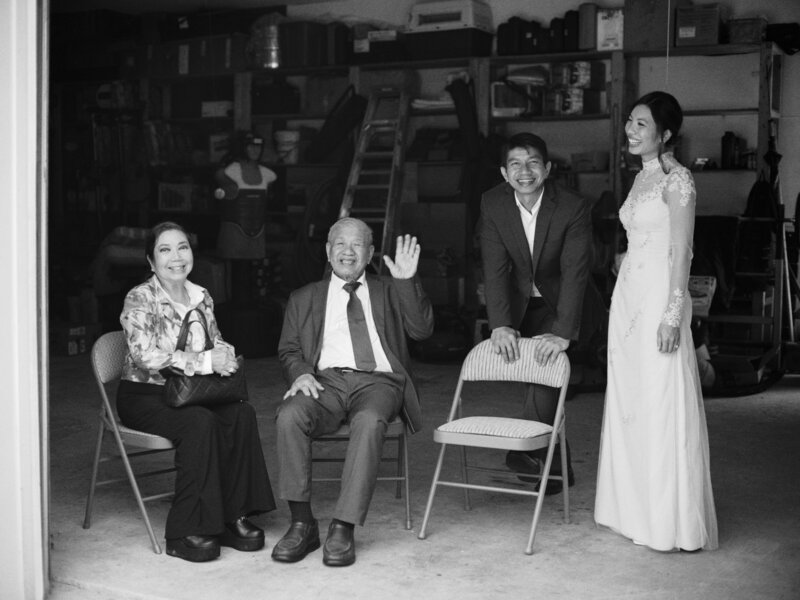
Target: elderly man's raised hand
[406,258]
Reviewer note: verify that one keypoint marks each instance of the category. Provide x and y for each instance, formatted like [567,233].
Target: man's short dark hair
[523,140]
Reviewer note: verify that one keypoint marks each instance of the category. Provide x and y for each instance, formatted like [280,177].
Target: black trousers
[541,401]
[221,474]
[368,402]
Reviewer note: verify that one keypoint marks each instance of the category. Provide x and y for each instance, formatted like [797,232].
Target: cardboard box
[579,74]
[610,28]
[217,55]
[697,25]
[575,101]
[455,43]
[747,31]
[646,24]
[213,55]
[216,108]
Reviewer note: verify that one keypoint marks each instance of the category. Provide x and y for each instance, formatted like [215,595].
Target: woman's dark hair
[156,231]
[667,115]
[523,140]
[666,111]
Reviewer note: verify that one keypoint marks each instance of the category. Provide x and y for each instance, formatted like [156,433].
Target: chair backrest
[484,364]
[108,356]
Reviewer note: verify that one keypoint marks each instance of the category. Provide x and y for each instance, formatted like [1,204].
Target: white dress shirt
[337,347]
[529,225]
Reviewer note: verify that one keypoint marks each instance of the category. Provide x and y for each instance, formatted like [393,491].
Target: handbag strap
[184,332]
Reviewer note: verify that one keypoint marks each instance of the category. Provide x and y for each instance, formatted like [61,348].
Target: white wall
[395,12]
[22,552]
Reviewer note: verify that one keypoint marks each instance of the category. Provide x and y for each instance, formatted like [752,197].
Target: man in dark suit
[345,357]
[535,246]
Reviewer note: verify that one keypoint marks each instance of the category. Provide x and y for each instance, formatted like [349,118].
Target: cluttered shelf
[530,118]
[555,57]
[702,50]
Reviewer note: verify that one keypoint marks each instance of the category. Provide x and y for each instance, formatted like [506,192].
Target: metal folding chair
[483,364]
[395,431]
[108,354]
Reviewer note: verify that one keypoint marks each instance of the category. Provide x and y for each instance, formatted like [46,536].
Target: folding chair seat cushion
[515,434]
[141,439]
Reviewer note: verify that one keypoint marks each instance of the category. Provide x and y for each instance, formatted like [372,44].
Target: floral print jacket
[152,324]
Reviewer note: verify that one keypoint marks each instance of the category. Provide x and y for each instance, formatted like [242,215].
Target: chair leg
[406,471]
[465,477]
[564,473]
[434,483]
[399,485]
[548,463]
[87,517]
[137,493]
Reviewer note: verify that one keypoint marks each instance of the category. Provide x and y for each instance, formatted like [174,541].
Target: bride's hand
[668,337]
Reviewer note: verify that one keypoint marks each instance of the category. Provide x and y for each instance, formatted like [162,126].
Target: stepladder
[375,183]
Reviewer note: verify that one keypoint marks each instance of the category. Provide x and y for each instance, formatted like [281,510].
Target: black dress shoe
[556,486]
[301,539]
[524,463]
[242,535]
[194,548]
[340,546]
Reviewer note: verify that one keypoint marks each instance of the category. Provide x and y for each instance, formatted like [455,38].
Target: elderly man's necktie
[362,348]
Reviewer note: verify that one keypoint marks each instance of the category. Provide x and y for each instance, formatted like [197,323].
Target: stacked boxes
[576,88]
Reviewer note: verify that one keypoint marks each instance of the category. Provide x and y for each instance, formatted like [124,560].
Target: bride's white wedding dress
[653,480]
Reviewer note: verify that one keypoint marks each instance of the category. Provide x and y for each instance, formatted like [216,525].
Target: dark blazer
[559,264]
[399,307]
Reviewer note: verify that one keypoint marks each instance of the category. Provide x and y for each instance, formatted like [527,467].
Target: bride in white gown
[653,480]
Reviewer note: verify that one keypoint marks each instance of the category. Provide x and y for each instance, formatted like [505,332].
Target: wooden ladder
[375,182]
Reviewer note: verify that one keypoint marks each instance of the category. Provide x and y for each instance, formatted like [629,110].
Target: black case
[271,96]
[571,31]
[511,37]
[302,43]
[540,38]
[556,35]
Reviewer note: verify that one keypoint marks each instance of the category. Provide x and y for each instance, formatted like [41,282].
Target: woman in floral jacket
[221,475]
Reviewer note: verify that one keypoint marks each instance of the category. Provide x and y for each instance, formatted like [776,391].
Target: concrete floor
[755,452]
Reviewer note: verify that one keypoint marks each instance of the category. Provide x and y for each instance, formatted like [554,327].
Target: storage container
[697,25]
[454,43]
[646,23]
[746,31]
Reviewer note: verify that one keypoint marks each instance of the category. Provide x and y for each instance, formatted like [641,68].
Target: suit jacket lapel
[319,300]
[546,211]
[511,216]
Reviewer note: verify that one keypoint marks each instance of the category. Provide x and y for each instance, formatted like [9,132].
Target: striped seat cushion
[497,427]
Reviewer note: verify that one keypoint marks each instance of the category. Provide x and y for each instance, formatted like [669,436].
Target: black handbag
[201,390]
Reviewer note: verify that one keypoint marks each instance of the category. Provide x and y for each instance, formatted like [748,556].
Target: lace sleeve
[680,196]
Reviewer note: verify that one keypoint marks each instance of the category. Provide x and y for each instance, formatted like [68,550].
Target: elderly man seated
[344,354]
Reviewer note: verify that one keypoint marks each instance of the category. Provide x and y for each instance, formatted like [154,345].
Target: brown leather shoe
[299,540]
[194,548]
[242,535]
[340,546]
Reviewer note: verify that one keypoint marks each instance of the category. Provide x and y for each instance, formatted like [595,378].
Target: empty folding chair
[483,364]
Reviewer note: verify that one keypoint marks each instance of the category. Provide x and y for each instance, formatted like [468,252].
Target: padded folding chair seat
[396,431]
[503,433]
[108,355]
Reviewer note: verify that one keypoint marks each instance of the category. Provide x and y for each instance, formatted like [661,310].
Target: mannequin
[242,193]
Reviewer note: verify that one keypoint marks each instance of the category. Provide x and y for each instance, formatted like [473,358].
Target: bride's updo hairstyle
[667,115]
